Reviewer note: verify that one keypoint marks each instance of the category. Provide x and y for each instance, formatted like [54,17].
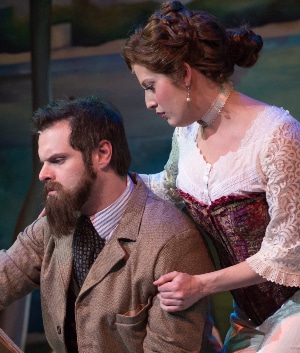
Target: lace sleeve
[163,184]
[279,257]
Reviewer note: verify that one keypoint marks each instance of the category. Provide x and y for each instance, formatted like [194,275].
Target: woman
[235,162]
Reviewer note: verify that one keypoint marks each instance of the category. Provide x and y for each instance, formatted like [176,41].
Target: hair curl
[174,35]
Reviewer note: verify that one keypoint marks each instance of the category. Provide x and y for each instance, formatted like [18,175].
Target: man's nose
[45,173]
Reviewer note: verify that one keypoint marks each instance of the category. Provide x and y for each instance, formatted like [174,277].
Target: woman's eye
[149,87]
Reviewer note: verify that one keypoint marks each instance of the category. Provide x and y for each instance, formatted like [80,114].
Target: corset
[236,226]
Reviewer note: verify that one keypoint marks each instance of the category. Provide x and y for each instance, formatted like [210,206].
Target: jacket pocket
[132,326]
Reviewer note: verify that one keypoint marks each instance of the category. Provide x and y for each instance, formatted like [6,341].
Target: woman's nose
[150,103]
[150,100]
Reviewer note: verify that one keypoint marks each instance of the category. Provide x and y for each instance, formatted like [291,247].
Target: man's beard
[63,208]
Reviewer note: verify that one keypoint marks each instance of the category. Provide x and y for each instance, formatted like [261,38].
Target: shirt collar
[107,220]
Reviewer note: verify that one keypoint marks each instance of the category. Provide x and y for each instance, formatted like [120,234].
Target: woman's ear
[103,153]
[187,76]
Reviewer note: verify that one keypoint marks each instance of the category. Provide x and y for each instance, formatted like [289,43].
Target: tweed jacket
[117,310]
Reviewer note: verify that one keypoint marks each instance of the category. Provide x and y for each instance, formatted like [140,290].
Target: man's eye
[58,160]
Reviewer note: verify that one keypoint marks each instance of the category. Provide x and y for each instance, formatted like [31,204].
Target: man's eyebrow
[54,156]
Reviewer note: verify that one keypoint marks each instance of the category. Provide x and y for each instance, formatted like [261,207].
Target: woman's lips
[163,114]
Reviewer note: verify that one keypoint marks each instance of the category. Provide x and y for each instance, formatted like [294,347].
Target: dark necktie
[87,245]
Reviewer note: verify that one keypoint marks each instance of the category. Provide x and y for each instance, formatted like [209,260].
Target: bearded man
[103,242]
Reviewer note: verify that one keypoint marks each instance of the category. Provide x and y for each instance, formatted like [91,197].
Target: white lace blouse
[268,160]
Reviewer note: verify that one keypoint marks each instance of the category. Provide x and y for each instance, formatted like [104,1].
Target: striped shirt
[106,221]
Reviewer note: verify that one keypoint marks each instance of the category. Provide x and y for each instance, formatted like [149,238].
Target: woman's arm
[278,257]
[178,291]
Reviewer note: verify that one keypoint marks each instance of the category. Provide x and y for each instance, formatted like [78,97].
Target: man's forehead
[55,138]
[59,128]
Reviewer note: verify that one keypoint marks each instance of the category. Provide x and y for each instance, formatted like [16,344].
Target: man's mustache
[52,186]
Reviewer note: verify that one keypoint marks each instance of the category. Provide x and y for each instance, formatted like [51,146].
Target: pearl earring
[188,98]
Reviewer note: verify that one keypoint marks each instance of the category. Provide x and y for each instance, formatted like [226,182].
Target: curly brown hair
[174,35]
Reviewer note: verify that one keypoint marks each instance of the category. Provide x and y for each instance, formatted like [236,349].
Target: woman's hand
[178,291]
[42,214]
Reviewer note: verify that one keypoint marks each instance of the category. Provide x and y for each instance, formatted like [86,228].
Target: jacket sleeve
[21,265]
[181,331]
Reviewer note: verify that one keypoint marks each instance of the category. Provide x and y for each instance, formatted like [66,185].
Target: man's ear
[103,153]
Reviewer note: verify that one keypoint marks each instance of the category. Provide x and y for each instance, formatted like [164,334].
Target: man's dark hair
[91,120]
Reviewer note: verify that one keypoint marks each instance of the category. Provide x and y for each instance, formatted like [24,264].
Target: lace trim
[268,272]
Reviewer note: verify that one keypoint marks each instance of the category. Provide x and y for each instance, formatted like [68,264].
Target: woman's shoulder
[278,115]
[273,118]
[281,128]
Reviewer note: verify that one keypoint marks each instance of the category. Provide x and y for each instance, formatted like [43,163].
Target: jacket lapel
[63,248]
[127,230]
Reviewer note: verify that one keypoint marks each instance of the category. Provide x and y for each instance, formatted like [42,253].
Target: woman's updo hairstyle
[244,46]
[174,36]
